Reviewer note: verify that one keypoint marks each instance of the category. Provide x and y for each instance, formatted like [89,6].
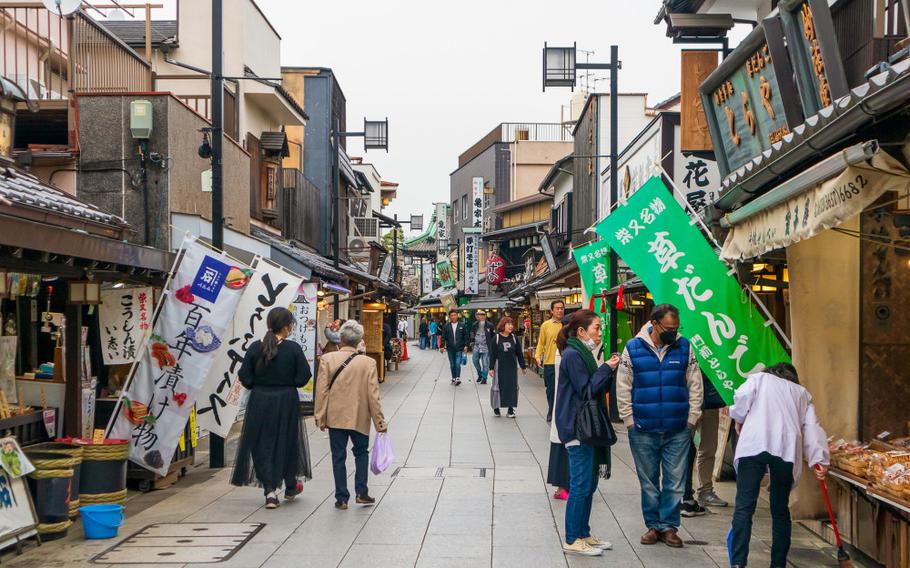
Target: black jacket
[489,329]
[424,329]
[458,341]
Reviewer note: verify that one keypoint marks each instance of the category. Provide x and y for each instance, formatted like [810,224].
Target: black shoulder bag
[592,424]
[341,368]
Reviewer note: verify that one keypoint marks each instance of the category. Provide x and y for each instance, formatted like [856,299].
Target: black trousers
[338,441]
[749,474]
[549,381]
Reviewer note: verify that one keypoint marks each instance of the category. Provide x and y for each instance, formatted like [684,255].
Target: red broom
[842,557]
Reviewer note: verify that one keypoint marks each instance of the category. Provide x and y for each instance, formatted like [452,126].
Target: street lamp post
[559,70]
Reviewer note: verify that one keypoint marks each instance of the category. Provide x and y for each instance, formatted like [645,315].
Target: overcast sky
[445,73]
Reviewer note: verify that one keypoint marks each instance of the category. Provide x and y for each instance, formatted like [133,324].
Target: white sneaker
[595,542]
[581,548]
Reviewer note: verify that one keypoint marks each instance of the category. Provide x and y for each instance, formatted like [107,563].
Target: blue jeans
[582,485]
[338,441]
[455,362]
[660,494]
[482,364]
[423,342]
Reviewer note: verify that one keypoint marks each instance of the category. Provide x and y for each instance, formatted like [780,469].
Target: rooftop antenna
[584,78]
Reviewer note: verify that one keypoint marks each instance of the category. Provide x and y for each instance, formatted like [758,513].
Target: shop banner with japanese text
[593,262]
[220,399]
[194,317]
[125,318]
[654,236]
[305,310]
[471,261]
[444,273]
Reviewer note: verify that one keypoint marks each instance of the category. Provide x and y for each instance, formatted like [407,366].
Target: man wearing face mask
[659,395]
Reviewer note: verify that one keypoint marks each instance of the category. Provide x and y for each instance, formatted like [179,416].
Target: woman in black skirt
[505,358]
[273,444]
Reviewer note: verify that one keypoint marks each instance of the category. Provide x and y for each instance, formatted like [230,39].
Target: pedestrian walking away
[505,358]
[433,335]
[703,457]
[455,343]
[659,396]
[347,401]
[579,374]
[482,333]
[273,446]
[778,429]
[423,333]
[546,350]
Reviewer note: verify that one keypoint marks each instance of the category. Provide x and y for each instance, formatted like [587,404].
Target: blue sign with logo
[210,278]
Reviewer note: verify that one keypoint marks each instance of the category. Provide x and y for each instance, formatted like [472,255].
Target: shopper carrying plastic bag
[382,456]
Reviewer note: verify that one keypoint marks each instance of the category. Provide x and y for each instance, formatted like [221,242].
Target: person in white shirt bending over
[777,428]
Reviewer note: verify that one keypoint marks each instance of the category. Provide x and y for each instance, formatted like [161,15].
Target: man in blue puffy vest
[659,395]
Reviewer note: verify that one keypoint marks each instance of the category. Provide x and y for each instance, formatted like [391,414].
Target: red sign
[496,269]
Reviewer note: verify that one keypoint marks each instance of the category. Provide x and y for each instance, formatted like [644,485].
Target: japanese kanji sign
[166,380]
[444,273]
[426,272]
[304,309]
[593,262]
[220,399]
[471,261]
[654,236]
[125,318]
[477,203]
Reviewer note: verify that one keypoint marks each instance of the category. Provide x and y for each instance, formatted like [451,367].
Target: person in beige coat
[347,399]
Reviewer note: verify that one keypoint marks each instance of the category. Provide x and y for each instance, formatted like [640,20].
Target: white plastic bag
[382,456]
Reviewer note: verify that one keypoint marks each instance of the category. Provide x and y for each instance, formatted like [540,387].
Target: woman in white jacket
[778,429]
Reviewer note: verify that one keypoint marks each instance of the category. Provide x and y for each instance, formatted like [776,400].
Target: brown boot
[650,537]
[671,539]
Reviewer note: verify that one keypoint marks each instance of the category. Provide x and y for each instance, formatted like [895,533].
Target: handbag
[592,425]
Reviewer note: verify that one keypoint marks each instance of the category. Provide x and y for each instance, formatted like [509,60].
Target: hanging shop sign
[696,67]
[548,252]
[471,262]
[593,262]
[814,53]
[655,237]
[385,272]
[442,227]
[426,273]
[304,333]
[444,273]
[496,269]
[8,368]
[750,100]
[219,400]
[477,203]
[826,206]
[195,315]
[125,318]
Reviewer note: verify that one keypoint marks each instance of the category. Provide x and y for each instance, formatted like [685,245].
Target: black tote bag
[592,425]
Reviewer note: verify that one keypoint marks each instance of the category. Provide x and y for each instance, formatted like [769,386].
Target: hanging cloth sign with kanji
[197,307]
[654,236]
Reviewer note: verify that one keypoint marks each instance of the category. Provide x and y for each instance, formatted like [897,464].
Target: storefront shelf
[28,428]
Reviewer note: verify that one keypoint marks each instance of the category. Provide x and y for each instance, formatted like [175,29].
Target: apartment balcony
[518,132]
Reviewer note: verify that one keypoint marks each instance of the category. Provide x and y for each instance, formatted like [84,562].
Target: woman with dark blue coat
[578,371]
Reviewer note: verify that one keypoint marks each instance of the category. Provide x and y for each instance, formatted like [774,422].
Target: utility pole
[395,250]
[614,198]
[336,206]
[216,443]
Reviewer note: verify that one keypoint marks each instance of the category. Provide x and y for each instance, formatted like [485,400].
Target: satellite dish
[62,7]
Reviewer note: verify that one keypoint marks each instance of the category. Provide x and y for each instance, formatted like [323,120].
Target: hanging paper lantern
[496,269]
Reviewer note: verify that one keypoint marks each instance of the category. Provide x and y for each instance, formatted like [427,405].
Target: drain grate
[180,543]
[697,542]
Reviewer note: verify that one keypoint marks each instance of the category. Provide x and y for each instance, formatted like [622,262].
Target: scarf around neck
[585,353]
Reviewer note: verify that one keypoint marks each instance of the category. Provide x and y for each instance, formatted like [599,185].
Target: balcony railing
[49,56]
[298,209]
[518,132]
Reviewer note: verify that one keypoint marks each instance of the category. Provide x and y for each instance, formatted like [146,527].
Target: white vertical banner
[471,260]
[196,310]
[426,269]
[125,317]
[304,309]
[477,203]
[220,399]
[442,227]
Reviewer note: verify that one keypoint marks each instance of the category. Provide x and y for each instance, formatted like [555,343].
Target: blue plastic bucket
[101,521]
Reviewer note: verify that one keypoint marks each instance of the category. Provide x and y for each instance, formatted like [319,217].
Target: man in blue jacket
[659,396]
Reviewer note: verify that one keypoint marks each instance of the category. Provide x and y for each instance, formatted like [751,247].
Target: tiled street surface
[467,489]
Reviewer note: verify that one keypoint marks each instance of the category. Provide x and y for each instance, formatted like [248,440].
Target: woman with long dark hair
[273,444]
[578,341]
[505,358]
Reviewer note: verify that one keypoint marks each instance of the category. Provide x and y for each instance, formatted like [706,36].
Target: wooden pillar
[72,413]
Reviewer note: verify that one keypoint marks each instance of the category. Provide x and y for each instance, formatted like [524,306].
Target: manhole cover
[180,543]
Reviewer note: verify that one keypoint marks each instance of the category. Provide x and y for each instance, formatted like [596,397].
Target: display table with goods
[872,484]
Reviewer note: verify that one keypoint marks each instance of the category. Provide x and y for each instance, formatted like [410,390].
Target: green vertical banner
[655,237]
[593,262]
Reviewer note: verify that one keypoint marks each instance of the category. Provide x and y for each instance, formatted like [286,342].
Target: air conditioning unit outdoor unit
[366,227]
[358,246]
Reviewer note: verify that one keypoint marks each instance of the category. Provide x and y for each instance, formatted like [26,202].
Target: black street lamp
[559,70]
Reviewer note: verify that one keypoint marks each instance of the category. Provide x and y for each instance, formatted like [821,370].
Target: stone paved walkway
[467,489]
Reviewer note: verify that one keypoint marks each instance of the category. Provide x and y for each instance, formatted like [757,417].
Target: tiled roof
[317,263]
[276,142]
[132,32]
[24,189]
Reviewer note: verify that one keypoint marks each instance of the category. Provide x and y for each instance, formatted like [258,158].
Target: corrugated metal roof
[132,32]
[24,189]
[834,124]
